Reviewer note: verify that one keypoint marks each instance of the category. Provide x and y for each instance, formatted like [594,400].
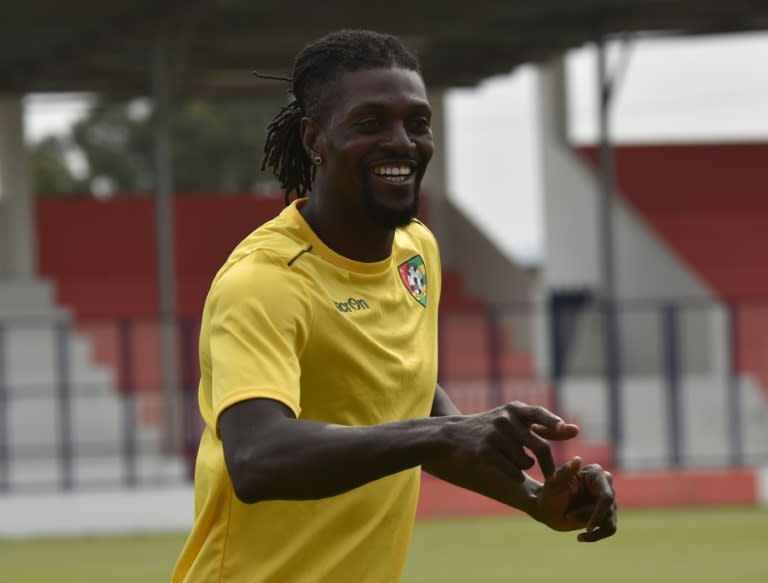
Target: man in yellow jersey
[318,354]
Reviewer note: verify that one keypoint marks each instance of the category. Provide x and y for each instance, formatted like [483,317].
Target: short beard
[386,217]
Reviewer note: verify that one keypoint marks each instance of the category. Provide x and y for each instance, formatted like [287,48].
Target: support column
[571,269]
[569,201]
[607,250]
[436,180]
[164,230]
[18,251]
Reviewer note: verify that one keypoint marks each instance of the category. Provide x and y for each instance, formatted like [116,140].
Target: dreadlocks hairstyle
[316,66]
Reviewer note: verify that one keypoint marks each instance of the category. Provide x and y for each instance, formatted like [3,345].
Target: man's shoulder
[265,252]
[419,233]
[279,237]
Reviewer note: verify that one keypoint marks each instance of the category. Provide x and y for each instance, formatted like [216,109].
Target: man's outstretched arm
[272,455]
[571,498]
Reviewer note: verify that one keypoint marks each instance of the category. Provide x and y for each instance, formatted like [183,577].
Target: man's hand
[575,498]
[501,436]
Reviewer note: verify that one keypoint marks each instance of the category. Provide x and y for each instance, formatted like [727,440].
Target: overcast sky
[674,90]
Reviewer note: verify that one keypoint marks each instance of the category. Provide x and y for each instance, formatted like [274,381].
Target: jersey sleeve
[260,320]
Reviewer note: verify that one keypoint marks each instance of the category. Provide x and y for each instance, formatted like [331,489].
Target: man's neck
[352,237]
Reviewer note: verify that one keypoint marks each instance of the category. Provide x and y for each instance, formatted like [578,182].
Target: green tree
[216,146]
[50,172]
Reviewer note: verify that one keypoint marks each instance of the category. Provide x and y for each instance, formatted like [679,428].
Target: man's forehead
[369,87]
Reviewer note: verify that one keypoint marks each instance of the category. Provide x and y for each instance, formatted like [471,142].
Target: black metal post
[611,332]
[494,357]
[128,402]
[164,228]
[5,482]
[64,405]
[733,403]
[671,358]
[557,353]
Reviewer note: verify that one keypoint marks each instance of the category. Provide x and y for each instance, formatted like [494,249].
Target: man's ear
[311,137]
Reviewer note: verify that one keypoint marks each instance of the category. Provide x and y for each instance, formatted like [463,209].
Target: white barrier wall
[97,513]
[645,266]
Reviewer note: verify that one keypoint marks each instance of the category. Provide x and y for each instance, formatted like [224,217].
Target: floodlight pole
[610,320]
[164,230]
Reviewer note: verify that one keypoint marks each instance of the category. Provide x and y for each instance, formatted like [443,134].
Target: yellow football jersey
[337,341]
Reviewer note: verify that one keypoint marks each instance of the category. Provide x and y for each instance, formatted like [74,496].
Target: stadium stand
[709,202]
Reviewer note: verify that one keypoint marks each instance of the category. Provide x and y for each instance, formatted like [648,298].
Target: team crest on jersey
[413,274]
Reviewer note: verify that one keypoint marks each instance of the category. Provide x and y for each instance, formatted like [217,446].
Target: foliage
[216,145]
[50,171]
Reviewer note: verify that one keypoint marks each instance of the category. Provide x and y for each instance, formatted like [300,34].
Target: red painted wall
[709,203]
[101,254]
[668,489]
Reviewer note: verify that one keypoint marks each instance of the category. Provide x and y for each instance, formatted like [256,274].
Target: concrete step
[28,300]
[754,422]
[46,473]
[704,428]
[34,424]
[31,357]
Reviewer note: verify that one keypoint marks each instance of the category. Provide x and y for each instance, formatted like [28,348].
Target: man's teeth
[398,173]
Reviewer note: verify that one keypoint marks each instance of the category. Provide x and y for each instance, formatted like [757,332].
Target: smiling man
[318,354]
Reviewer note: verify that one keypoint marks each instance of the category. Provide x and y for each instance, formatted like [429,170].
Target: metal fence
[81,404]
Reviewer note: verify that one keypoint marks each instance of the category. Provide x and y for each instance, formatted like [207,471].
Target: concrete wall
[645,267]
[703,424]
[156,510]
[487,273]
[648,272]
[17,240]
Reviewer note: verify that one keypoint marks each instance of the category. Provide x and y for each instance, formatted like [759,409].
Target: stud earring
[317,159]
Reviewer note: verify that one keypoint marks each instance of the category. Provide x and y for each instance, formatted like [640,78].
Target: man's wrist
[441,442]
[432,440]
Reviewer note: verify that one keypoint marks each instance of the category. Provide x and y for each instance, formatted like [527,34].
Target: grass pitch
[700,546]
[691,546]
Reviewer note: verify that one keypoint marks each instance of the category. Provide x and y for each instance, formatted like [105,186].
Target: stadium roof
[106,46]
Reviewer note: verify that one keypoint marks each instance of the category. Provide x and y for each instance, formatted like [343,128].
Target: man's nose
[398,139]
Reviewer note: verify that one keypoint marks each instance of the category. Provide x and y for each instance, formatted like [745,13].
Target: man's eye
[420,124]
[368,125]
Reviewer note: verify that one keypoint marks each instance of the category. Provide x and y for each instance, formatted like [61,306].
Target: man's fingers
[537,416]
[521,459]
[602,520]
[561,432]
[580,515]
[531,427]
[599,484]
[564,473]
[545,423]
[540,448]
[596,535]
[605,529]
[515,452]
[515,427]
